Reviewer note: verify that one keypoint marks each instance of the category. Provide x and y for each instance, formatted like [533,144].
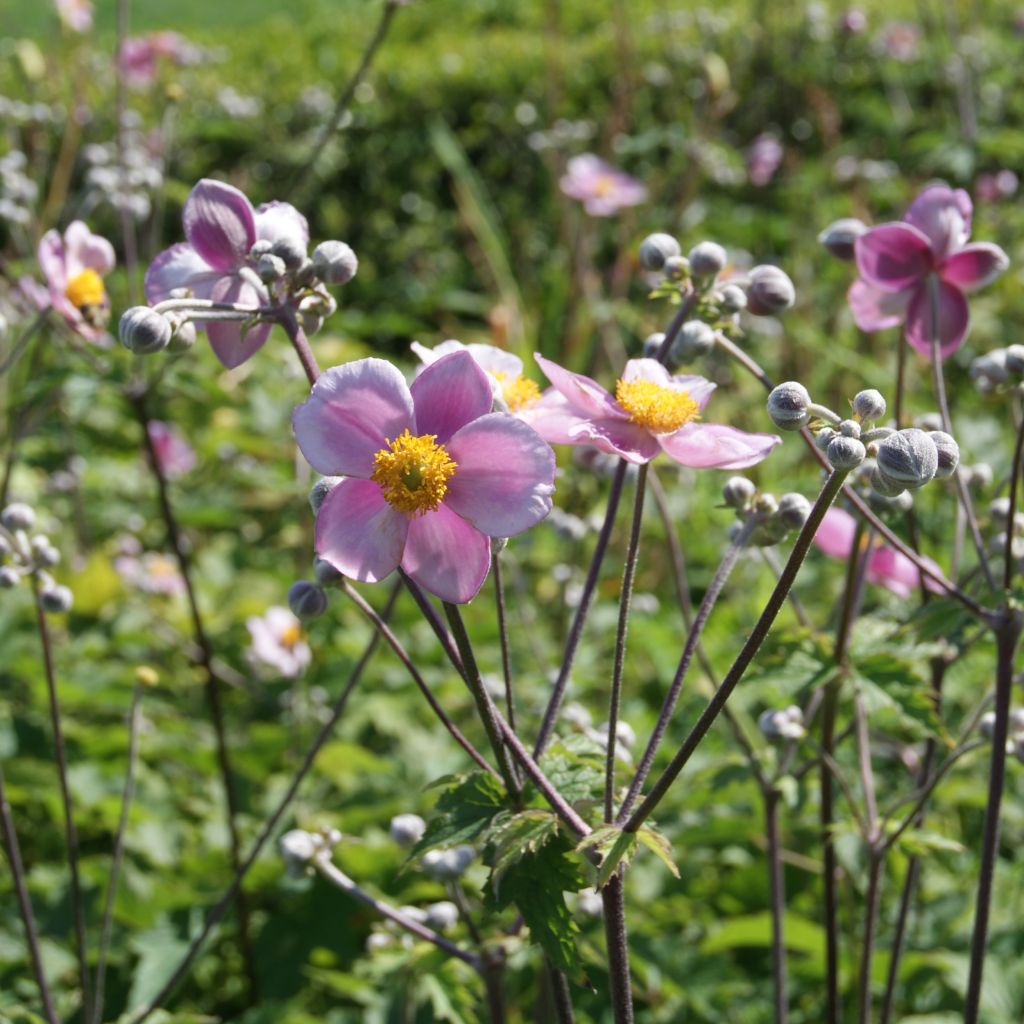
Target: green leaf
[800,935]
[659,845]
[514,836]
[916,842]
[466,809]
[575,769]
[614,847]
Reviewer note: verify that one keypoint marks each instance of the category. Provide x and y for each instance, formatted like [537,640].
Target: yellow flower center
[291,636]
[604,185]
[654,407]
[413,473]
[86,289]
[161,567]
[519,392]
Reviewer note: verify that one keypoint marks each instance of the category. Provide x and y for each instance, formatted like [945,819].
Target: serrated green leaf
[514,836]
[917,842]
[465,809]
[614,846]
[659,845]
[575,770]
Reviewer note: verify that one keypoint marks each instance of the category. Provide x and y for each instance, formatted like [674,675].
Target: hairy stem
[613,899]
[506,661]
[777,895]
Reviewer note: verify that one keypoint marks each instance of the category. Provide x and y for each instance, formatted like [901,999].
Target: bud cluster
[23,553]
[998,368]
[300,848]
[781,726]
[1004,533]
[1015,732]
[773,519]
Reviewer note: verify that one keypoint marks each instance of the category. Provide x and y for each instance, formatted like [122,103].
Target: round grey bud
[656,249]
[447,865]
[869,405]
[908,458]
[18,516]
[769,291]
[695,339]
[407,829]
[885,487]
[298,848]
[676,268]
[734,299]
[987,725]
[787,405]
[45,553]
[850,428]
[306,600]
[1015,359]
[845,452]
[144,331]
[9,577]
[323,572]
[183,336]
[766,505]
[823,438]
[949,454]
[56,598]
[334,262]
[794,509]
[290,250]
[999,510]
[442,915]
[270,268]
[320,490]
[738,492]
[980,476]
[652,345]
[707,259]
[839,238]
[260,248]
[989,370]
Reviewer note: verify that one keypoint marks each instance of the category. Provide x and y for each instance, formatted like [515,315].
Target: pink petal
[875,310]
[585,395]
[180,266]
[893,257]
[359,533]
[953,319]
[350,415]
[974,266]
[943,215]
[893,570]
[450,393]
[552,417]
[219,224]
[716,446]
[505,477]
[85,251]
[446,555]
[836,532]
[276,220]
[700,389]
[51,260]
[230,345]
[616,437]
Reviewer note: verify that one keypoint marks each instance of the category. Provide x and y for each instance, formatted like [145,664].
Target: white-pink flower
[75,14]
[150,571]
[602,188]
[74,267]
[137,59]
[278,642]
[174,454]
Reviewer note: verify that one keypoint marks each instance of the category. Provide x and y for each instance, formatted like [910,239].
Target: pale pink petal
[34,292]
[875,310]
[893,570]
[943,215]
[85,251]
[893,257]
[449,394]
[231,345]
[505,477]
[358,532]
[974,266]
[180,266]
[646,369]
[836,533]
[953,319]
[616,437]
[52,260]
[351,414]
[219,224]
[446,555]
[716,446]
[585,395]
[553,417]
[700,389]
[276,220]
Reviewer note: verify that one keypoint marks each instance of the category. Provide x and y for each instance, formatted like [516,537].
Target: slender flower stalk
[300,343]
[777,897]
[500,612]
[1015,473]
[613,898]
[876,857]
[561,995]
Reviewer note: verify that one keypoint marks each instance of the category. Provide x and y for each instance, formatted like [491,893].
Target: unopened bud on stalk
[407,829]
[839,237]
[18,516]
[324,573]
[979,476]
[290,250]
[676,268]
[788,404]
[850,428]
[447,865]
[787,724]
[738,492]
[794,509]
[656,249]
[320,490]
[334,262]
[270,268]
[9,577]
[695,339]
[769,291]
[869,405]
[183,335]
[884,486]
[260,248]
[987,725]
[824,437]
[442,915]
[908,459]
[144,331]
[306,600]
[1015,360]
[298,848]
[734,299]
[949,454]
[990,370]
[845,452]
[707,259]
[652,345]
[56,598]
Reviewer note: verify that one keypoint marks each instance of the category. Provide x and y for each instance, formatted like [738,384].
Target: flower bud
[949,454]
[56,598]
[787,405]
[652,345]
[1015,360]
[306,600]
[18,516]
[695,339]
[260,248]
[989,371]
[407,829]
[769,291]
[334,262]
[45,553]
[676,268]
[442,915]
[839,237]
[999,510]
[766,505]
[298,848]
[9,577]
[883,486]
[447,865]
[850,428]
[794,509]
[707,259]
[270,268]
[738,492]
[290,250]
[323,572]
[183,335]
[987,725]
[734,299]
[845,452]
[980,476]
[143,331]
[909,458]
[787,724]
[656,249]
[869,405]
[320,490]
[823,438]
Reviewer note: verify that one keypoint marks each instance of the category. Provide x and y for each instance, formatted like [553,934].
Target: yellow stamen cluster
[655,407]
[291,636]
[413,473]
[86,289]
[519,392]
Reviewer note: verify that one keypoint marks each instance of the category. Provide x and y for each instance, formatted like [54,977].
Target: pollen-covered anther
[291,636]
[655,407]
[413,473]
[86,289]
[519,392]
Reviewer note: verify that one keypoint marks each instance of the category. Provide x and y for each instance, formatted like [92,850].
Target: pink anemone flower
[886,566]
[174,454]
[278,642]
[902,263]
[431,474]
[138,56]
[75,14]
[74,267]
[602,188]
[221,227]
[651,412]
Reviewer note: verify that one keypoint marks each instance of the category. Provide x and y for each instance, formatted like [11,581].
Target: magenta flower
[221,227]
[74,267]
[651,412]
[278,642]
[886,566]
[603,189]
[900,263]
[431,474]
[173,452]
[990,188]
[138,56]
[763,159]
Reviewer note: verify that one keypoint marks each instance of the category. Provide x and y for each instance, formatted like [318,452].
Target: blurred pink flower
[75,14]
[853,21]
[431,474]
[990,188]
[651,412]
[278,642]
[602,188]
[137,59]
[886,566]
[901,262]
[173,452]
[900,40]
[763,159]
[151,572]
[74,267]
